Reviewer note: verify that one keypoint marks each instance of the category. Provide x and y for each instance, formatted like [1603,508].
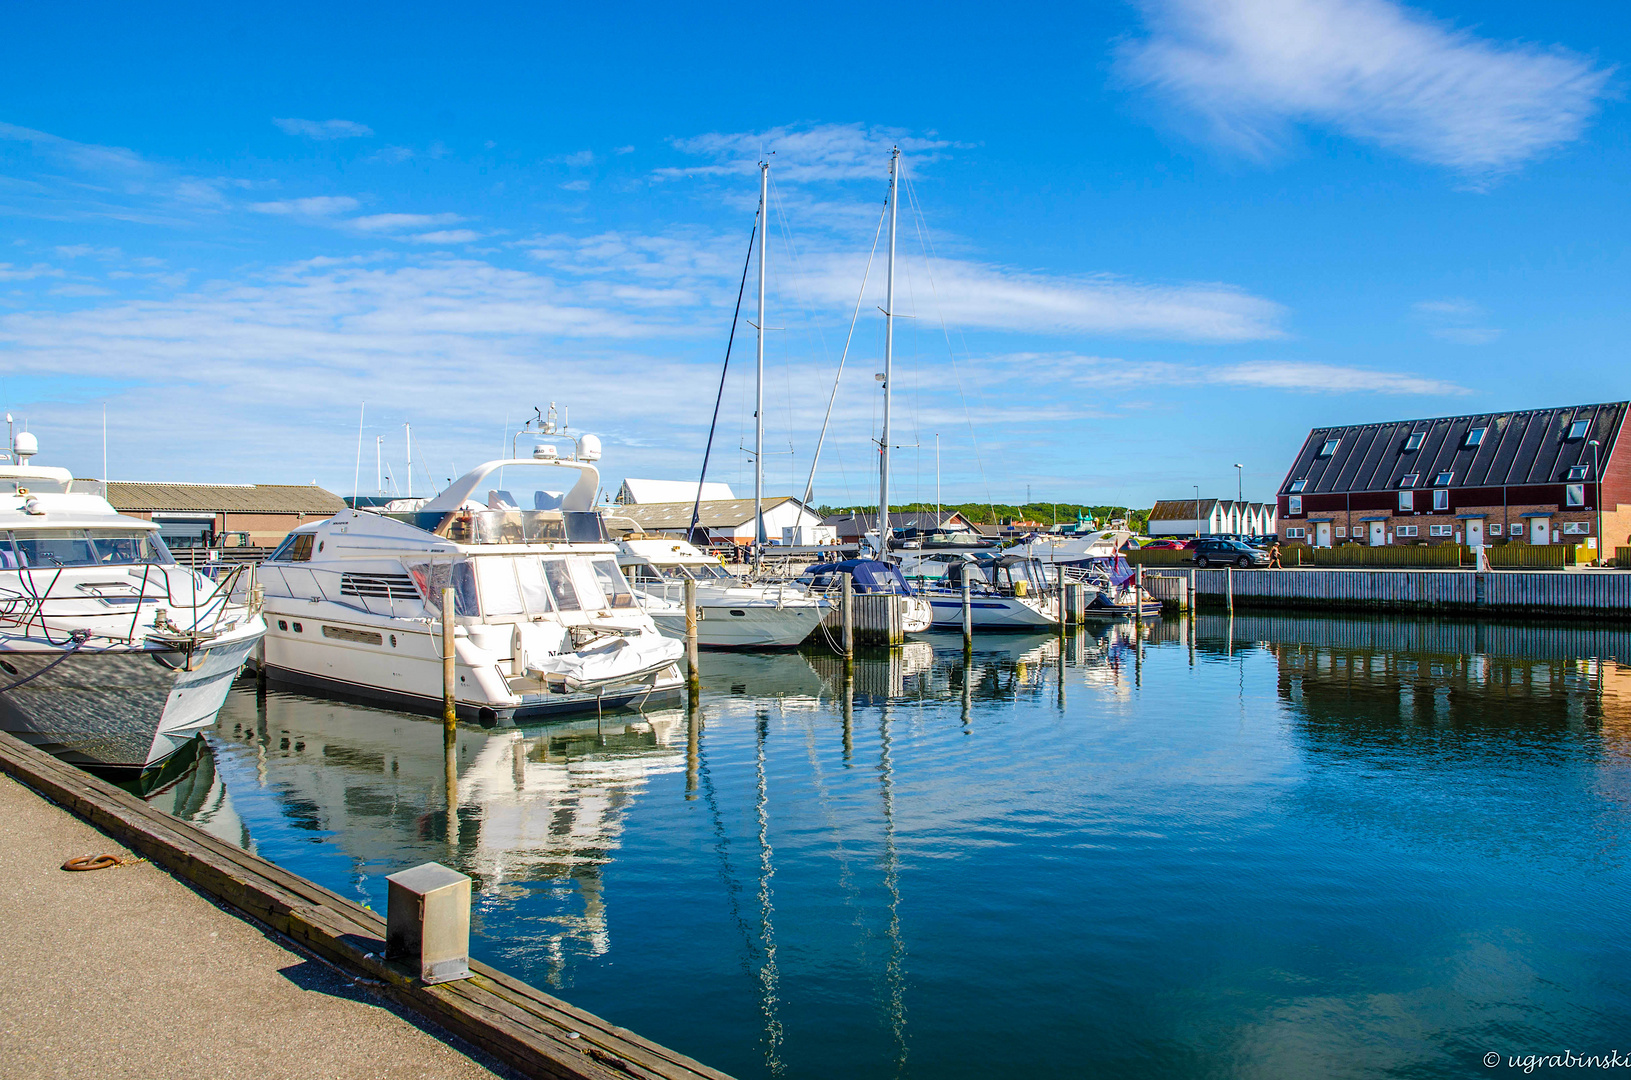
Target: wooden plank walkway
[534,1033]
[1594,594]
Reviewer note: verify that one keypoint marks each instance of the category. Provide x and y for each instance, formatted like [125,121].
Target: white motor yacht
[1006,592]
[545,622]
[111,655]
[734,613]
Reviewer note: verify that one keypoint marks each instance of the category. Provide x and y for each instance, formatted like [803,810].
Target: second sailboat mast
[888,358]
[759,384]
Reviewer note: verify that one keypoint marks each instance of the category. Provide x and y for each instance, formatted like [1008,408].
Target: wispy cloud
[8,272]
[1372,69]
[77,181]
[447,236]
[317,206]
[804,152]
[1456,321]
[1295,376]
[397,222]
[324,130]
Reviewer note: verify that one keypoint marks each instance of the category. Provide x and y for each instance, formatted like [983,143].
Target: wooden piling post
[692,675]
[1138,593]
[1229,586]
[1193,602]
[968,615]
[450,717]
[847,598]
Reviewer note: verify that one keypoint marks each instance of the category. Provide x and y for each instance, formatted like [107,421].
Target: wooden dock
[1590,594]
[532,1032]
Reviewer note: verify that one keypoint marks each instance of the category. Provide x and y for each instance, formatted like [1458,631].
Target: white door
[1322,534]
[1378,533]
[1540,530]
[1475,532]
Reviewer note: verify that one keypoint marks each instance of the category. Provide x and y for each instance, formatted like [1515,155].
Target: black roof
[1531,447]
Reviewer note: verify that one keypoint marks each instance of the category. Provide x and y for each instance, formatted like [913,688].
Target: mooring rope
[78,638]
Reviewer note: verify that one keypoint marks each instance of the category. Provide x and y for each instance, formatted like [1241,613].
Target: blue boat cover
[871,576]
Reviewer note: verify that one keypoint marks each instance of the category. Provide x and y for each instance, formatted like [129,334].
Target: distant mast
[759,385]
[888,359]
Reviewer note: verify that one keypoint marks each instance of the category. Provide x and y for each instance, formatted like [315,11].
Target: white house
[724,519]
[634,492]
[1211,517]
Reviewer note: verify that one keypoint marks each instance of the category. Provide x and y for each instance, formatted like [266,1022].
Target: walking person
[1274,555]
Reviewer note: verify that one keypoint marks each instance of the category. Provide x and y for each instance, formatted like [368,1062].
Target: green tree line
[987,514]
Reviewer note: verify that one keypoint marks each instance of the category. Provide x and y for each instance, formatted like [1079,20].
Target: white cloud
[75,180]
[1456,321]
[447,236]
[805,152]
[575,185]
[1291,375]
[394,222]
[624,150]
[324,130]
[1373,69]
[80,290]
[578,160]
[393,155]
[8,272]
[315,206]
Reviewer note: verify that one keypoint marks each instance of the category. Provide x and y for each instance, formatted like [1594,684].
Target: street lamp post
[1197,488]
[1597,503]
[1240,483]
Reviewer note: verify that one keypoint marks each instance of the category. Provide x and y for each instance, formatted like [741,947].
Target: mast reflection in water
[1287,846]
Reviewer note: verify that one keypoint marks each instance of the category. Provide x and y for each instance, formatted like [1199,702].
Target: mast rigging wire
[696,507]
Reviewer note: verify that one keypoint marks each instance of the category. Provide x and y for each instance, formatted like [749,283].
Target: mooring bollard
[968,614]
[847,599]
[449,716]
[428,921]
[1193,603]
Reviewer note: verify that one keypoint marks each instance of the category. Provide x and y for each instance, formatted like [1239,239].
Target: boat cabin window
[77,547]
[612,584]
[32,485]
[559,577]
[431,578]
[709,572]
[500,594]
[296,547]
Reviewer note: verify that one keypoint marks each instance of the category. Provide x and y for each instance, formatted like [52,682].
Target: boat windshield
[31,485]
[540,585]
[709,572]
[82,547]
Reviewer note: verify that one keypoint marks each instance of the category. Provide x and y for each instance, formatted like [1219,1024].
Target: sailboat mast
[759,384]
[888,362]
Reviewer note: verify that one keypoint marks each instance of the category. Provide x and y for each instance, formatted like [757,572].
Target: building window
[1574,494]
[1296,534]
[1578,429]
[1408,480]
[1443,479]
[1407,500]
[1475,437]
[1439,530]
[1441,499]
[1577,472]
[1341,531]
[1414,442]
[1298,485]
[1577,528]
[1495,528]
[1294,505]
[1329,447]
[1406,530]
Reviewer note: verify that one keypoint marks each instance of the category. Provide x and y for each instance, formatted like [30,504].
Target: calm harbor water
[1277,846]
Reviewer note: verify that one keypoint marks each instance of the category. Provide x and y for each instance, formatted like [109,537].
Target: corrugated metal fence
[1598,594]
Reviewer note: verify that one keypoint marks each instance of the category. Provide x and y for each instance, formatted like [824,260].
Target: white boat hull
[749,626]
[995,612]
[118,708]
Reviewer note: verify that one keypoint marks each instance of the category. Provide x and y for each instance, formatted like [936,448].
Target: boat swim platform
[525,1031]
[1597,595]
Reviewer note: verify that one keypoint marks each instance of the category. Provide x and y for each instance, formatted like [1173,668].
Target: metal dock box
[428,919]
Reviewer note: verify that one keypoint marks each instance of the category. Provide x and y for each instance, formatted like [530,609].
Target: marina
[876,873]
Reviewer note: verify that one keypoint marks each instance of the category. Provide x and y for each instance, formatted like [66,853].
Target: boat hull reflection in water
[1280,846]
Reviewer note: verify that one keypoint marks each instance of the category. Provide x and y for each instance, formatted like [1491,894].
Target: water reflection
[1179,842]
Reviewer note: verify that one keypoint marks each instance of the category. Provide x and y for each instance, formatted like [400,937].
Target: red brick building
[1543,476]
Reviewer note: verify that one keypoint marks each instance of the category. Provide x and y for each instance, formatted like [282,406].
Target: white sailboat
[111,655]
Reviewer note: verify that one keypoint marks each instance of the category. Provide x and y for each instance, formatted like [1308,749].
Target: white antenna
[104,448]
[888,362]
[379,474]
[356,473]
[408,431]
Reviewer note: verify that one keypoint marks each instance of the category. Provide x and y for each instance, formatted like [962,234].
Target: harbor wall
[532,1032]
[1596,595]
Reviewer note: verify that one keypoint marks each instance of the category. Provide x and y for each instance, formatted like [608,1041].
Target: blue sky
[1145,241]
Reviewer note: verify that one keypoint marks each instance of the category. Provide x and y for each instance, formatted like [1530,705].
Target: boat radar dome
[544,453]
[589,448]
[26,446]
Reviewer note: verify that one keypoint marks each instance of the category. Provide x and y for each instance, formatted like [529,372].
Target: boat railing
[27,611]
[507,526]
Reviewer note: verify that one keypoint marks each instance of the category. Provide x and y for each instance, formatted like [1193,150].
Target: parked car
[1163,544]
[1213,551]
